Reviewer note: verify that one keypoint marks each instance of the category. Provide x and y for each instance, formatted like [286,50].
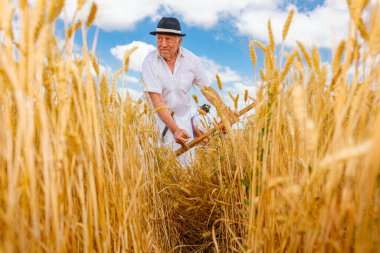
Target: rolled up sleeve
[150,82]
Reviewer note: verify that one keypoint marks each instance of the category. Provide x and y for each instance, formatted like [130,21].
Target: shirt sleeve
[201,80]
[150,82]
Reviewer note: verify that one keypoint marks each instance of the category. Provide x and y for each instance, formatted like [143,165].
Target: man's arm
[180,135]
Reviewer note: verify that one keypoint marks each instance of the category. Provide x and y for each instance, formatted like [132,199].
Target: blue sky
[217,31]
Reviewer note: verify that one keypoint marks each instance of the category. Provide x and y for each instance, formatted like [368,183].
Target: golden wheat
[287,24]
[82,168]
[252,53]
[338,56]
[219,82]
[305,54]
[271,37]
[92,14]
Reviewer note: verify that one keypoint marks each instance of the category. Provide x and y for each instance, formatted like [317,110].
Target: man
[168,75]
[200,123]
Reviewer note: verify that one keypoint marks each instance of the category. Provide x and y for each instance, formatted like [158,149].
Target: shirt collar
[180,53]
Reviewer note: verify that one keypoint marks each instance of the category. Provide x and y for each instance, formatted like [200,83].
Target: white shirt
[174,87]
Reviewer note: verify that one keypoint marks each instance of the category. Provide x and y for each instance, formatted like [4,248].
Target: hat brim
[168,33]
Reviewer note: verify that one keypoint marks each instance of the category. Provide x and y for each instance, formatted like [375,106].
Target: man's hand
[181,136]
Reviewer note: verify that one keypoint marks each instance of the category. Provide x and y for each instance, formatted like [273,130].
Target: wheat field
[81,169]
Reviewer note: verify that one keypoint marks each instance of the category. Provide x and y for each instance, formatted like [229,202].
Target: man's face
[168,45]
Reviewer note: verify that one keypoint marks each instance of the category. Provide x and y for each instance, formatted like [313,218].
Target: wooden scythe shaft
[197,140]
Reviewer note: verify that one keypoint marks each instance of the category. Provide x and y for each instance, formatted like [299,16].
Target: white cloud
[122,15]
[112,14]
[137,57]
[240,88]
[325,26]
[226,74]
[211,12]
[132,79]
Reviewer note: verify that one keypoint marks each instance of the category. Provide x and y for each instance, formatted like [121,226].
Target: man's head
[169,37]
[168,45]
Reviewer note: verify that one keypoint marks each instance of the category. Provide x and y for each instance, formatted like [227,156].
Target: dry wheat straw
[288,63]
[252,53]
[127,54]
[220,85]
[38,16]
[55,9]
[347,153]
[94,63]
[338,56]
[305,54]
[195,99]
[315,57]
[287,24]
[271,37]
[80,4]
[236,101]
[82,169]
[259,45]
[160,108]
[92,14]
[71,31]
[374,39]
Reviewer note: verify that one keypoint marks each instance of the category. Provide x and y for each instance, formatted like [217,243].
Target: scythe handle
[218,127]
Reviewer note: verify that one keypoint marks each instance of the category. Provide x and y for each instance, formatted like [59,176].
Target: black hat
[206,108]
[168,26]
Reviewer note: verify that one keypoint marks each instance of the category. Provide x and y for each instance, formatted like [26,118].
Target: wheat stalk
[71,31]
[195,99]
[94,63]
[271,37]
[219,82]
[127,55]
[55,9]
[338,56]
[287,24]
[252,53]
[92,14]
[305,54]
[80,4]
[288,63]
[83,168]
[315,57]
[259,45]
